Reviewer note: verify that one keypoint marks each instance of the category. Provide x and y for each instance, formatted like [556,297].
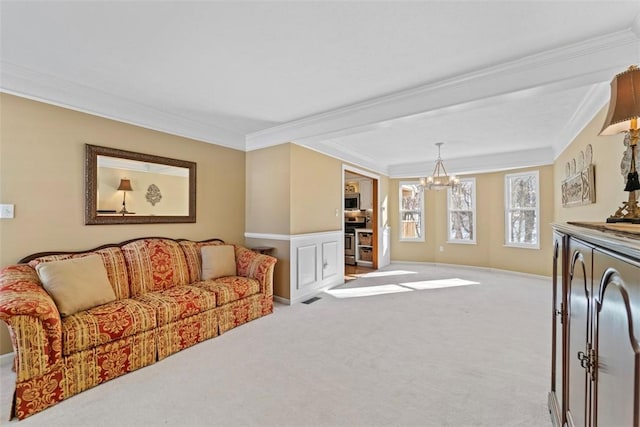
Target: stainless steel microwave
[352,201]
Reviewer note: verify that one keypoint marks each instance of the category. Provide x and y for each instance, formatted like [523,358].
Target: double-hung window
[522,211]
[411,211]
[461,207]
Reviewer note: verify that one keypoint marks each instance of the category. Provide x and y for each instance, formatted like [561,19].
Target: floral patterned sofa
[161,305]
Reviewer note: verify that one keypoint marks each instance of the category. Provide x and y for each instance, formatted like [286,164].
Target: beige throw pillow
[218,261]
[76,284]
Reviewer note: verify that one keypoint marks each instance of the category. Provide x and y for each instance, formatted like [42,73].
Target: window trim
[473,212]
[507,209]
[422,210]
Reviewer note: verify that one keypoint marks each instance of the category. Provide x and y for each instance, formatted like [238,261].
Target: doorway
[360,220]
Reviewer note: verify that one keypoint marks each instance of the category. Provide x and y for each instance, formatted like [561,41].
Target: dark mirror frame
[91,186]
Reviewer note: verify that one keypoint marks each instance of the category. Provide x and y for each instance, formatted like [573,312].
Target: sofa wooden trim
[31,257]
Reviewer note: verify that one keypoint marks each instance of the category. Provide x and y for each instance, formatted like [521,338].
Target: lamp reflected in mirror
[125,185]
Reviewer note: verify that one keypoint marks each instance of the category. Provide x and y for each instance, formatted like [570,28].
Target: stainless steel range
[350,225]
[350,248]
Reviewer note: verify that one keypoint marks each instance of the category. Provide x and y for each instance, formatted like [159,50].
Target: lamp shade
[125,185]
[624,104]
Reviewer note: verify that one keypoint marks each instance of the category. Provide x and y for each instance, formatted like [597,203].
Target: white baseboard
[306,296]
[315,292]
[472,267]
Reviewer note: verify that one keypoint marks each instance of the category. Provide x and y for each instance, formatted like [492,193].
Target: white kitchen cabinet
[365,187]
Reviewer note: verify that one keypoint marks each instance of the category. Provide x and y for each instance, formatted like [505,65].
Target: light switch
[6,211]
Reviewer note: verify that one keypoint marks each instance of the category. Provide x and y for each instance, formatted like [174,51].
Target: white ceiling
[502,83]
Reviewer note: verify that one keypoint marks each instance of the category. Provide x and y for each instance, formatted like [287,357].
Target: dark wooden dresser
[595,370]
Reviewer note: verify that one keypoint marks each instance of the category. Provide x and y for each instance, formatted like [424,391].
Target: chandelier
[439,180]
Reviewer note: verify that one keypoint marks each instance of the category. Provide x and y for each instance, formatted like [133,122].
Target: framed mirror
[124,187]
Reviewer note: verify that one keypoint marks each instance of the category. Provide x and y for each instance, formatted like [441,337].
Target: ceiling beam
[580,64]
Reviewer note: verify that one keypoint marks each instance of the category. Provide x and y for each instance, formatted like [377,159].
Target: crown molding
[348,156]
[596,98]
[588,62]
[28,83]
[478,164]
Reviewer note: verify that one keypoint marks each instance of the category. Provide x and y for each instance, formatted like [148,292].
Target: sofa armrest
[33,320]
[256,266]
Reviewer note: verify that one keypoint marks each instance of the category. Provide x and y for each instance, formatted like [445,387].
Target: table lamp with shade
[624,110]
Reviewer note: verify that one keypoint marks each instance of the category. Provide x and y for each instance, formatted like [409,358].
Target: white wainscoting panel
[307,260]
[317,263]
[329,259]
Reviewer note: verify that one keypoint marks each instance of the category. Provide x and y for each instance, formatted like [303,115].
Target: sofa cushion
[154,265]
[193,255]
[218,261]
[109,322]
[113,261]
[230,288]
[76,284]
[178,302]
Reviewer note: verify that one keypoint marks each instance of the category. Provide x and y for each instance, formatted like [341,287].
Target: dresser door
[616,335]
[578,392]
[556,397]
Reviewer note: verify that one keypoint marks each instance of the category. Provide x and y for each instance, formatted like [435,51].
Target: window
[462,212]
[522,212]
[411,211]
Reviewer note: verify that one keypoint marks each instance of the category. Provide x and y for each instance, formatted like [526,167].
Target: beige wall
[489,250]
[290,190]
[293,190]
[607,154]
[268,200]
[268,195]
[42,173]
[316,192]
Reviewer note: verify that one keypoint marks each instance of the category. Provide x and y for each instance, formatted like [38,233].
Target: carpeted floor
[406,346]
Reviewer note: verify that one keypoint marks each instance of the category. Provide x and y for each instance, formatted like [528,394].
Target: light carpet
[422,350]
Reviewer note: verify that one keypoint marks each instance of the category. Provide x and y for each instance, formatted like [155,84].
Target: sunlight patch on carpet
[367,291]
[440,283]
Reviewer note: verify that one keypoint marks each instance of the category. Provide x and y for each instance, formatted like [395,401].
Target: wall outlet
[441,248]
[6,211]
